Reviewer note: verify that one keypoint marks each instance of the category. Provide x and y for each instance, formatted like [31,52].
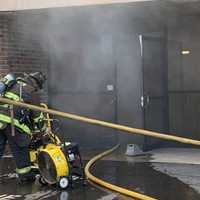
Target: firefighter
[17,124]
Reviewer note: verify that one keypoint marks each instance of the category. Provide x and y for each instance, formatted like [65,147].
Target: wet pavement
[11,189]
[138,176]
[141,177]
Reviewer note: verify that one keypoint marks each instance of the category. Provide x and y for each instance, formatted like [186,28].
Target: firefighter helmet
[39,78]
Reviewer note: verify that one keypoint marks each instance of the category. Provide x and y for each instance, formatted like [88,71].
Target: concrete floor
[181,163]
[167,179]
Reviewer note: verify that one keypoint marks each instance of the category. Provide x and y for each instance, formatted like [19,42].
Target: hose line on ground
[109,185]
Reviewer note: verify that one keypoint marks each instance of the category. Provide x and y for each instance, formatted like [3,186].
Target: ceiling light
[185,52]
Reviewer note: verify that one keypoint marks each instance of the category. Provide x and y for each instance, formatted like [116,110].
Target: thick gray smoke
[94,61]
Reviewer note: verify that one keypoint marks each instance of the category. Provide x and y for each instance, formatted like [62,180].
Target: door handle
[145,101]
[142,101]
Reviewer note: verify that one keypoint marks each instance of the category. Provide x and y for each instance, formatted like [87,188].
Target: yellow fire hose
[109,125]
[108,185]
[102,123]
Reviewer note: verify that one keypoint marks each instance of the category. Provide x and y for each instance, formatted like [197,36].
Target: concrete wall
[184,73]
[96,47]
[90,48]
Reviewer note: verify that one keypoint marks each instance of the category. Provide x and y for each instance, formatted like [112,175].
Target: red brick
[19,52]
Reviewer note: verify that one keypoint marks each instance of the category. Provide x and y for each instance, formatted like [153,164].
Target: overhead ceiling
[10,5]
[180,7]
[183,1]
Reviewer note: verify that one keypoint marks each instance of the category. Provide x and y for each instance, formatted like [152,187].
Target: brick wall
[4,43]
[20,51]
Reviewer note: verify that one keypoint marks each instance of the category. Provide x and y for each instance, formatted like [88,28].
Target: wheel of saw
[63,182]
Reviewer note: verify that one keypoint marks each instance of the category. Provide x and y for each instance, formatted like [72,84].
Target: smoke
[91,49]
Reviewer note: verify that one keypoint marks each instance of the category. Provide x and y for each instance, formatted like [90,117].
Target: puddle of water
[139,177]
[143,178]
[10,189]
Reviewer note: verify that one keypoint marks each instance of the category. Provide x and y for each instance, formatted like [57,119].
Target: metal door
[154,100]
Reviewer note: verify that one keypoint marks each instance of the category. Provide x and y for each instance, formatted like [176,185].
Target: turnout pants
[19,145]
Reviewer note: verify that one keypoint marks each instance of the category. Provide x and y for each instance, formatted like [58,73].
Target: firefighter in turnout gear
[17,124]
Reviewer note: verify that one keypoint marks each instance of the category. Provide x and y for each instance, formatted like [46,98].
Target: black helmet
[39,78]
